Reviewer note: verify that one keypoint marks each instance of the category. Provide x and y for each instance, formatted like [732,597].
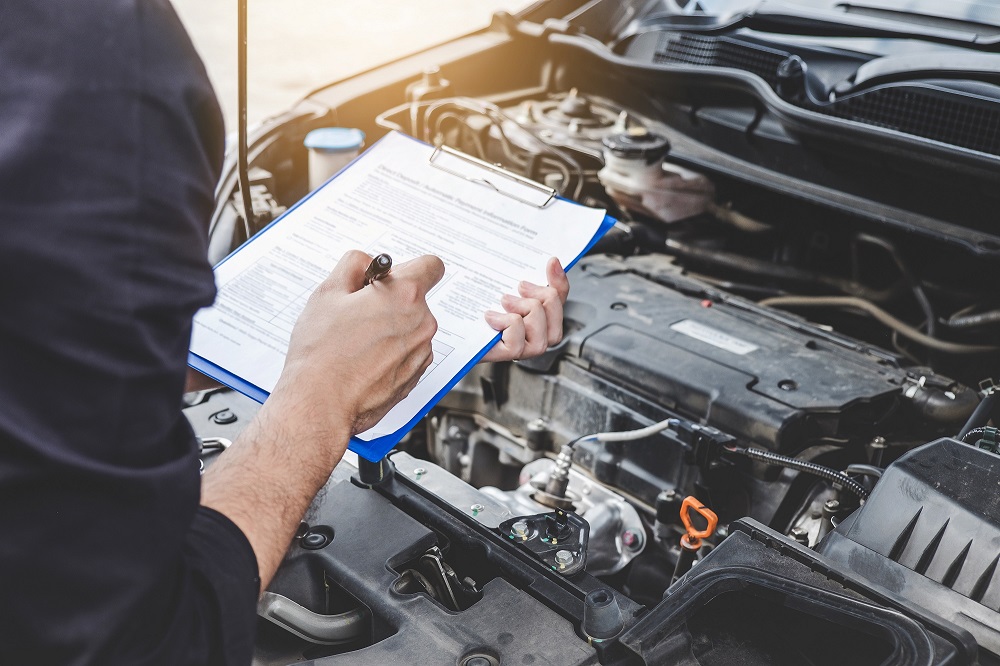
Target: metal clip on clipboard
[518,188]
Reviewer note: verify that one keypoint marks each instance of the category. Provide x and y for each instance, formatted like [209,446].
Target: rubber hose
[981,415]
[313,627]
[934,405]
[882,316]
[827,473]
[865,470]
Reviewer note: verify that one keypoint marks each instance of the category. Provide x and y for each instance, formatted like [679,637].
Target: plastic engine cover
[734,369]
[930,533]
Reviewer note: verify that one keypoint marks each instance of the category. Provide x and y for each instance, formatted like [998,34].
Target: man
[112,551]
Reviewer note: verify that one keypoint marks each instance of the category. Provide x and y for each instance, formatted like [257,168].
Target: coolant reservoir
[637,178]
[330,150]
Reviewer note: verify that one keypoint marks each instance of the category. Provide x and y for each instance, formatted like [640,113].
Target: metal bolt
[478,661]
[419,472]
[520,529]
[564,558]
[878,446]
[800,534]
[833,506]
[537,424]
[631,540]
[477,509]
[538,435]
[224,417]
[314,541]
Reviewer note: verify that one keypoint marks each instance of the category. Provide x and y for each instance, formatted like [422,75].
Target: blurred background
[295,46]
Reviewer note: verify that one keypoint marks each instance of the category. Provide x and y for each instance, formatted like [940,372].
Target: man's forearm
[266,480]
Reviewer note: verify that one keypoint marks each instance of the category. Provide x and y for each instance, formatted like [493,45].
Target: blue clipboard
[376,449]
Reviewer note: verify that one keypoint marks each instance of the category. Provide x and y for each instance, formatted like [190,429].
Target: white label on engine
[714,337]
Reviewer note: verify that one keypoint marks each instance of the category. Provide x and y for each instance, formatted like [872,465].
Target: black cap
[637,143]
[602,617]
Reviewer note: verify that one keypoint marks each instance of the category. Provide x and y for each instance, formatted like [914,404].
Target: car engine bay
[764,437]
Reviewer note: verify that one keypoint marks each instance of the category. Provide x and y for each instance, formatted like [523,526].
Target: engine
[725,460]
[655,329]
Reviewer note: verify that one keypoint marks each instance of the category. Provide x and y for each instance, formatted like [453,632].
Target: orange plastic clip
[693,537]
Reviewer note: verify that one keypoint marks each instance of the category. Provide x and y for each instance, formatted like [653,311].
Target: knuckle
[355,255]
[520,342]
[425,331]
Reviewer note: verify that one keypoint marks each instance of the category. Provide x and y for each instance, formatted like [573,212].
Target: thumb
[557,278]
[349,274]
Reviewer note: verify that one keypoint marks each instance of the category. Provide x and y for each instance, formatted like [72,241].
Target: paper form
[390,200]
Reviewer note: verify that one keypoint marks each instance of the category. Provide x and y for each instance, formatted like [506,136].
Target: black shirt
[111,143]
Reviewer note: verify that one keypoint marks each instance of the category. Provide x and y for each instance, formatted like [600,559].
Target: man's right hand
[356,351]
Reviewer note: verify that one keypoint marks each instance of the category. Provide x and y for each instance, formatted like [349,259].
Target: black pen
[379,268]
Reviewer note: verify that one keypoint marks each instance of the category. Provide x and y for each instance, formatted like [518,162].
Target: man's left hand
[533,321]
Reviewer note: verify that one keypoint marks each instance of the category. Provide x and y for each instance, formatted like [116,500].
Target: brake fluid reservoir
[637,178]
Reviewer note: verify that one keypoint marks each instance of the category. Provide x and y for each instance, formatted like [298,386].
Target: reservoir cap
[335,139]
[637,143]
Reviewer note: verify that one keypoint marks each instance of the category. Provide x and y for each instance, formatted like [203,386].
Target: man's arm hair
[354,353]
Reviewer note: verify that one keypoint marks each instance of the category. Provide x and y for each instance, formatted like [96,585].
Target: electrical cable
[981,415]
[908,276]
[974,431]
[883,317]
[242,165]
[962,320]
[628,435]
[805,466]
[759,267]
[558,481]
[761,455]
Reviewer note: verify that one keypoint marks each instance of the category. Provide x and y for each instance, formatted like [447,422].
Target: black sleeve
[110,147]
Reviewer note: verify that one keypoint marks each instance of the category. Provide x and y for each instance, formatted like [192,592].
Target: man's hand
[532,322]
[354,353]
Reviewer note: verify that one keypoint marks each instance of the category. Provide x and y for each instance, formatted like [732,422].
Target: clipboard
[454,162]
[511,185]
